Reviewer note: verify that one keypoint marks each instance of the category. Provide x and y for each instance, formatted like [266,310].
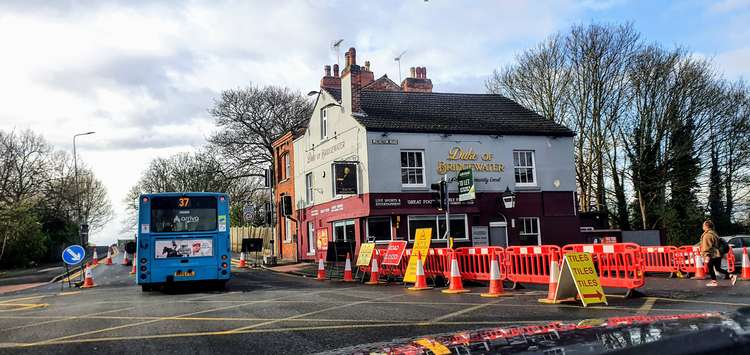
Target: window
[412,169]
[323,124]
[183,214]
[309,187]
[310,238]
[523,166]
[379,229]
[437,223]
[343,230]
[529,231]
[287,230]
[287,166]
[283,167]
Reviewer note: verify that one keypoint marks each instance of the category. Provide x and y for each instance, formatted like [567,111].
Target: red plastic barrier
[686,259]
[474,262]
[436,264]
[529,264]
[660,259]
[619,265]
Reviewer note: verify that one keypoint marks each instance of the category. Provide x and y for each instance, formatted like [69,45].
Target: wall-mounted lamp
[509,198]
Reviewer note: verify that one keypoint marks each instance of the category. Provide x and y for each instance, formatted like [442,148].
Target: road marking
[646,307]
[305,314]
[465,310]
[23,298]
[48,341]
[23,306]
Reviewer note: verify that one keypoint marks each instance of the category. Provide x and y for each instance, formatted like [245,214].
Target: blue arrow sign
[73,254]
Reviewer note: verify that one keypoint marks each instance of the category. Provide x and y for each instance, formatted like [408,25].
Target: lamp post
[78,197]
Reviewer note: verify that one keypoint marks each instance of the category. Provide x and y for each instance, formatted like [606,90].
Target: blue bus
[183,237]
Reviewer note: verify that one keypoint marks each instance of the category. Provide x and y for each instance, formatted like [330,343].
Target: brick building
[364,164]
[286,226]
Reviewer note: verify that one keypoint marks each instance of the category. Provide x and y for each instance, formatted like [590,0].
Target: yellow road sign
[421,246]
[578,277]
[365,254]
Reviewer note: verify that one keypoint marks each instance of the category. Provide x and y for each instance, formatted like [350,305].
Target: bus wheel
[221,285]
[146,288]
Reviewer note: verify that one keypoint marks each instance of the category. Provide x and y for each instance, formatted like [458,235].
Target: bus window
[183,214]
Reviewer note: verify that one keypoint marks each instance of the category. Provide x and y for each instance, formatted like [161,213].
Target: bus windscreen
[183,214]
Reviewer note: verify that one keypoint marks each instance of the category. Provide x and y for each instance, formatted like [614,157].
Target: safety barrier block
[660,259]
[529,264]
[619,265]
[474,262]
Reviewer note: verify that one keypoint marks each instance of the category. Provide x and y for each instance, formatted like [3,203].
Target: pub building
[364,165]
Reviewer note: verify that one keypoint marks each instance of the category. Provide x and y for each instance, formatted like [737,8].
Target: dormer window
[323,124]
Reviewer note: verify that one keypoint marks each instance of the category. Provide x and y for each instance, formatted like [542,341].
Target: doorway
[499,234]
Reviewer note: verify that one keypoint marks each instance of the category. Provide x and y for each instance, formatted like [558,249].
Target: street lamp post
[77,192]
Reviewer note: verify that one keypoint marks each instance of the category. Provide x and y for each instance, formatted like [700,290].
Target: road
[263,312]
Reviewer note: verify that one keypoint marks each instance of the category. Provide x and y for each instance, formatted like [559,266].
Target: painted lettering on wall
[325,152]
[460,159]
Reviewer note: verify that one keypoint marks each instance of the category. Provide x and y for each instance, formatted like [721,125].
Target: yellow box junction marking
[578,277]
[421,247]
[365,254]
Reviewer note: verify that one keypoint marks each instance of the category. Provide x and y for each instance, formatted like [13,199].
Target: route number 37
[184,201]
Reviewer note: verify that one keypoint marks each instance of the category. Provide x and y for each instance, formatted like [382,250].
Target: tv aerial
[398,59]
[336,45]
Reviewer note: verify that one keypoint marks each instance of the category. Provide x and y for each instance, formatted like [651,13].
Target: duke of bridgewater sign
[460,159]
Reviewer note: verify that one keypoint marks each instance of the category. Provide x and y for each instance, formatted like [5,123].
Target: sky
[143,74]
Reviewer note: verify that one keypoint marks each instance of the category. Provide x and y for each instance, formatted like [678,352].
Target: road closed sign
[394,253]
[578,277]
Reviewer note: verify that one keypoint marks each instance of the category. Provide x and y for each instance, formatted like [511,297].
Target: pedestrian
[712,255]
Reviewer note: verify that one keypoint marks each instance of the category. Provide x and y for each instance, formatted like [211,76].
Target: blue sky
[143,74]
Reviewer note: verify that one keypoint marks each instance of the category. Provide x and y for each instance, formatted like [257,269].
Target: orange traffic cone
[108,260]
[421,283]
[745,264]
[132,271]
[554,274]
[95,258]
[496,284]
[348,270]
[456,285]
[321,270]
[243,263]
[700,273]
[125,260]
[88,281]
[374,275]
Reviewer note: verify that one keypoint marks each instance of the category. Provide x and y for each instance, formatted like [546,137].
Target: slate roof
[451,113]
[336,93]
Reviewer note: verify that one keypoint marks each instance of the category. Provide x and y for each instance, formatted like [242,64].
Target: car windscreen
[183,214]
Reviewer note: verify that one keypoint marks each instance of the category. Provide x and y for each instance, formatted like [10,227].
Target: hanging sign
[466,188]
[345,175]
[421,247]
[578,277]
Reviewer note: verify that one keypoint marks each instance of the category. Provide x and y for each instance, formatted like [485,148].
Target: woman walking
[710,252]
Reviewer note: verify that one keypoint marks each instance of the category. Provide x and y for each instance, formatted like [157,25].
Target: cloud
[734,63]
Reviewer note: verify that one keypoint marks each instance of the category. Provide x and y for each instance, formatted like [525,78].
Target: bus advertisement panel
[183,248]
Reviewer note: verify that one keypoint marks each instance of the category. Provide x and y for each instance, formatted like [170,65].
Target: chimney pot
[335,70]
[424,72]
[367,65]
[412,71]
[327,70]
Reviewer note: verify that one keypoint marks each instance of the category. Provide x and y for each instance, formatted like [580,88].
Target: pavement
[265,312]
[23,278]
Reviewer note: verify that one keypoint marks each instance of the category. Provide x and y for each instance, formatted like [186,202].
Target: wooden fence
[239,233]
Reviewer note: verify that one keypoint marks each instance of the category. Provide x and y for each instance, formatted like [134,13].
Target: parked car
[737,242]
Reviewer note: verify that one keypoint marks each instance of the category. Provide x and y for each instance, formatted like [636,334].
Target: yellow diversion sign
[578,277]
[421,246]
[365,254]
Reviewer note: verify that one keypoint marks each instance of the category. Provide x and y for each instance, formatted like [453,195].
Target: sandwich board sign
[365,254]
[395,252]
[73,254]
[421,247]
[578,277]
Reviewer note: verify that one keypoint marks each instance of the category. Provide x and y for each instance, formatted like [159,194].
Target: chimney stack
[328,81]
[417,81]
[327,70]
[335,70]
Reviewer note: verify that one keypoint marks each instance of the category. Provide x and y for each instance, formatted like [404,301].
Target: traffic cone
[88,281]
[745,264]
[125,260]
[95,258]
[554,274]
[108,260]
[700,274]
[421,283]
[496,284]
[243,263]
[348,270]
[132,271]
[374,273]
[456,285]
[321,270]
